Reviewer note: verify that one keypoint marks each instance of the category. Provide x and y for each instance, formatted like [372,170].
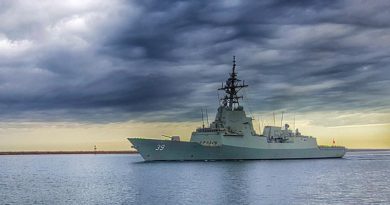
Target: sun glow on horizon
[57,136]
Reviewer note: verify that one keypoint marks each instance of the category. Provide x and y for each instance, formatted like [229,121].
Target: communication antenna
[281,120]
[207,118]
[273,113]
[259,124]
[294,121]
[262,122]
[201,110]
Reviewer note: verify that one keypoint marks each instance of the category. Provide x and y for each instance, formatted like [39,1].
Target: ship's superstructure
[231,136]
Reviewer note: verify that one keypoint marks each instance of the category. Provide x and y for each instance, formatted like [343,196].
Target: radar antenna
[231,88]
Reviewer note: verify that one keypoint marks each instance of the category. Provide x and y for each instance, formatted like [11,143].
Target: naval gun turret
[172,138]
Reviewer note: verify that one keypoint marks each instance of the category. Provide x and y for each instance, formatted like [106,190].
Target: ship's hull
[164,150]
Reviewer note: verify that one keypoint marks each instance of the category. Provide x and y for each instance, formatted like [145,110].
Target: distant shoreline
[67,152]
[363,150]
[125,152]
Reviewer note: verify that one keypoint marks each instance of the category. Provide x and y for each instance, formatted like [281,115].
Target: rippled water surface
[358,178]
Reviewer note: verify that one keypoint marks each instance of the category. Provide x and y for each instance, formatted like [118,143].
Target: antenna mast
[281,120]
[207,118]
[259,125]
[201,110]
[273,113]
[294,121]
[231,88]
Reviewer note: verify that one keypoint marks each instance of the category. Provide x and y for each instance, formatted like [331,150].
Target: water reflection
[122,179]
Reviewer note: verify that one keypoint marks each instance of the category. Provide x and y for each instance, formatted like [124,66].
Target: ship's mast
[231,88]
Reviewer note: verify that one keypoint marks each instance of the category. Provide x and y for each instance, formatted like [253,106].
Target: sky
[74,74]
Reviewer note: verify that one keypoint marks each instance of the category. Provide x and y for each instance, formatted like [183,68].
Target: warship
[231,136]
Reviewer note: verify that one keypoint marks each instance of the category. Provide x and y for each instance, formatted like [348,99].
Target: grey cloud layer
[118,60]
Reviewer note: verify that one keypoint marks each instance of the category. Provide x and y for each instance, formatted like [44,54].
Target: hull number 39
[160,147]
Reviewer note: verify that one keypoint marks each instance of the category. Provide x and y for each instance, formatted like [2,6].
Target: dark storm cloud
[153,60]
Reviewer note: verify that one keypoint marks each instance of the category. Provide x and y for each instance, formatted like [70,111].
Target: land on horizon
[123,152]
[66,152]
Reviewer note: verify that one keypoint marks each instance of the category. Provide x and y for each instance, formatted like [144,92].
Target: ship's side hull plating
[164,150]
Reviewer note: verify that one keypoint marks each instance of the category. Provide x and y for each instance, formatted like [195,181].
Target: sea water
[358,178]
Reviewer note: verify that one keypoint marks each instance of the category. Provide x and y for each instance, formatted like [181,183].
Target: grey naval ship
[231,136]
